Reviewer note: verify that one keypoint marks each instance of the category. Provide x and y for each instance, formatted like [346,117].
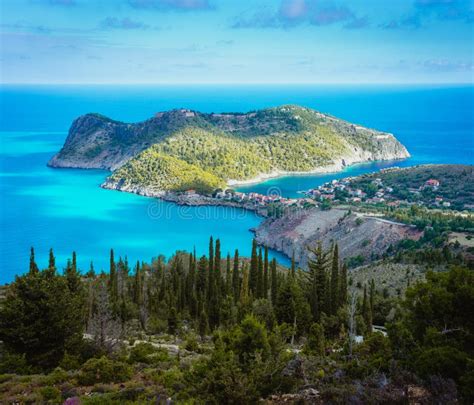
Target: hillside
[432,185]
[362,238]
[233,146]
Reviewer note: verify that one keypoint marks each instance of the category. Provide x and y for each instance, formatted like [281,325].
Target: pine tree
[274,284]
[317,281]
[236,277]
[253,276]
[265,273]
[33,267]
[334,300]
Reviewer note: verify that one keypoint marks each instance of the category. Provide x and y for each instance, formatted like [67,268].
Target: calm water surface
[65,209]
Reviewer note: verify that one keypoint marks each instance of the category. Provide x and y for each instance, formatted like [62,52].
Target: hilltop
[234,147]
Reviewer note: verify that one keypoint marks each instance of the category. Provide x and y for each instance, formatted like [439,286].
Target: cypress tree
[343,286]
[210,272]
[334,301]
[201,279]
[260,275]
[52,261]
[137,285]
[33,267]
[317,272]
[236,277]
[72,276]
[74,262]
[112,277]
[265,273]
[203,324]
[228,276]
[366,313]
[372,295]
[274,284]
[293,264]
[211,253]
[253,276]
[217,266]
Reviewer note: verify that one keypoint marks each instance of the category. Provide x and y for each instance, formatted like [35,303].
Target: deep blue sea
[65,209]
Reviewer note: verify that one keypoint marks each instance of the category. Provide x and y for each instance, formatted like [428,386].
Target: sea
[65,209]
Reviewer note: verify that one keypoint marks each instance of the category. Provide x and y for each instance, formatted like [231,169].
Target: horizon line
[235,84]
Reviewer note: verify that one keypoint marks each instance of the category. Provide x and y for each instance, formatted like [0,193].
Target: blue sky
[224,41]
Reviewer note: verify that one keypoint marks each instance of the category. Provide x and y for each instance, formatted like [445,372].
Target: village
[346,190]
[375,192]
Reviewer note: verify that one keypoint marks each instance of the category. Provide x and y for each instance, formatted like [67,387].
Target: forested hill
[230,146]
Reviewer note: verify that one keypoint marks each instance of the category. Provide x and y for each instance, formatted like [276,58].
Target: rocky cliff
[356,234]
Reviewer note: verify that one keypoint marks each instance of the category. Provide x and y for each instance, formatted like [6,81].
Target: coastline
[335,167]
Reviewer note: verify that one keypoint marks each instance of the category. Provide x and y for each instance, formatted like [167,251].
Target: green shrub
[14,363]
[50,394]
[104,370]
[141,353]
[191,344]
[70,362]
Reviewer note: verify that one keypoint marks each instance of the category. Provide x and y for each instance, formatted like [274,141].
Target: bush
[14,363]
[141,353]
[447,362]
[104,370]
[50,394]
[191,344]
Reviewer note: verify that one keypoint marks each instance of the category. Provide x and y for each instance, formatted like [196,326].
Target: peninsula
[183,149]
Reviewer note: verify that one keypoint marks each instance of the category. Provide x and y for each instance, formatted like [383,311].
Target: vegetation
[456,184]
[219,147]
[219,329]
[155,170]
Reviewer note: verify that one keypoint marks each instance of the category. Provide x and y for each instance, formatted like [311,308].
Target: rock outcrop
[356,234]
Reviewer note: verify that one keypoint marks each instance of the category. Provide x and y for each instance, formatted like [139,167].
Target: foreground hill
[234,147]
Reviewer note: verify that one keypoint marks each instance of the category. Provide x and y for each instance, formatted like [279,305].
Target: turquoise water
[65,209]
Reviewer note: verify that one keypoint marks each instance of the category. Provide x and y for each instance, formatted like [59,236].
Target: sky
[230,41]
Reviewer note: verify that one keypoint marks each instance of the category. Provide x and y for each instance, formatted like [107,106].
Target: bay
[65,209]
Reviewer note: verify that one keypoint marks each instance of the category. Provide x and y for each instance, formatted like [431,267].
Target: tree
[40,318]
[343,286]
[334,303]
[251,341]
[236,277]
[113,284]
[274,284]
[260,275]
[52,261]
[203,324]
[316,343]
[366,312]
[265,273]
[253,277]
[33,267]
[106,330]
